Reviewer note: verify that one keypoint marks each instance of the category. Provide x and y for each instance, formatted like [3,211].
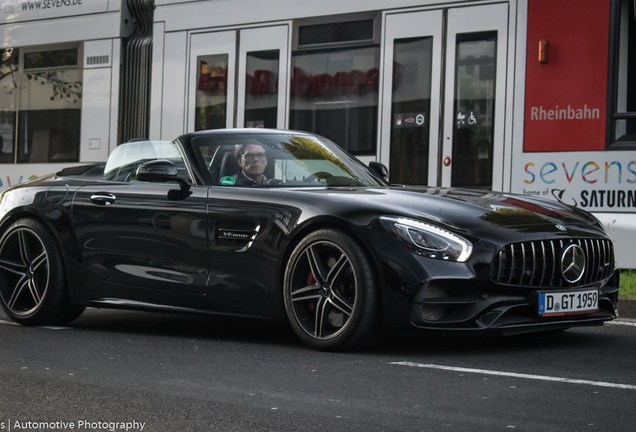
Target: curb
[627,307]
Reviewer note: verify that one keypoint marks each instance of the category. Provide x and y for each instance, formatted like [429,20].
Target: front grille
[538,263]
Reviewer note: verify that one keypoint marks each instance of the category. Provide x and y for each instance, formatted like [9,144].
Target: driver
[252,160]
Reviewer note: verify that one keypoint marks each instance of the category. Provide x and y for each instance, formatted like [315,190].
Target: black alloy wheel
[330,292]
[32,284]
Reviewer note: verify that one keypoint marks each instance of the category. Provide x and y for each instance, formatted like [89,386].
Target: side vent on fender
[236,235]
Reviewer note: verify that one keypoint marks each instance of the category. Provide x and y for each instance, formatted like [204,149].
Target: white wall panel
[100,49]
[94,136]
[156,86]
[114,95]
[213,13]
[114,5]
[174,85]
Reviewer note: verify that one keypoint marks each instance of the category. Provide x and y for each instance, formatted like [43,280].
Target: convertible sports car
[286,225]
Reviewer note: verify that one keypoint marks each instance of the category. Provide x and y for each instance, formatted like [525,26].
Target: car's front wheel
[330,292]
[32,284]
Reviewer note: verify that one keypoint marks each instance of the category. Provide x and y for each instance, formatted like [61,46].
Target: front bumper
[425,293]
[460,305]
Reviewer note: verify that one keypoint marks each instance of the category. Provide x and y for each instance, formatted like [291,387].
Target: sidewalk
[627,307]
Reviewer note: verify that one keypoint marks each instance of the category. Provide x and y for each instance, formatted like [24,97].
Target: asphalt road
[183,373]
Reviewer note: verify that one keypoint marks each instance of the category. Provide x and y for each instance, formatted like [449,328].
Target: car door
[142,235]
[142,238]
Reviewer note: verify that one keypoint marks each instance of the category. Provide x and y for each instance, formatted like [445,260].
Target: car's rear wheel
[32,284]
[330,292]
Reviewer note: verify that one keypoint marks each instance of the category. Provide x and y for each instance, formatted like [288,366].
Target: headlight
[431,241]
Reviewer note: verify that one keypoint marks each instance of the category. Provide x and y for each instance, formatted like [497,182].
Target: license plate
[568,303]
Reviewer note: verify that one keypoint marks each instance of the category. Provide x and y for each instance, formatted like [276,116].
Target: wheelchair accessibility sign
[467,118]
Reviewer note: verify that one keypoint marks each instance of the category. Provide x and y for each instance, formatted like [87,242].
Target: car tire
[33,287]
[330,292]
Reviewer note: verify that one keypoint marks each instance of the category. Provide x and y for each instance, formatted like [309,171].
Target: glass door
[257,98]
[410,112]
[212,74]
[444,96]
[262,71]
[474,97]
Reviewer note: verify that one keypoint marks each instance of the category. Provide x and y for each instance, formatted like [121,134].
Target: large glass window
[410,110]
[211,103]
[8,103]
[334,93]
[50,59]
[49,117]
[624,121]
[261,89]
[40,106]
[474,109]
[335,32]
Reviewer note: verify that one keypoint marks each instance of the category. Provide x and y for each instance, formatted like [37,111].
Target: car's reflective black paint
[225,250]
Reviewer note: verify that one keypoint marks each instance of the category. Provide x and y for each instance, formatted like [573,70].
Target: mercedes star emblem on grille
[573,263]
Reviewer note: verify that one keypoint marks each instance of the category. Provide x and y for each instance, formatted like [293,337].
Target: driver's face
[253,161]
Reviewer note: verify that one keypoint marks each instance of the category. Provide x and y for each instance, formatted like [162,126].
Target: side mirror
[164,171]
[379,169]
[157,171]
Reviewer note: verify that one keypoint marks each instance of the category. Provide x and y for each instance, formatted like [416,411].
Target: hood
[476,212]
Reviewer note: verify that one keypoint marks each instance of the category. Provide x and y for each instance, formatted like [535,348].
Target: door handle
[103,198]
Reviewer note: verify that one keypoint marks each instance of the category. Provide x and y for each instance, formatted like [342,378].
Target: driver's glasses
[249,157]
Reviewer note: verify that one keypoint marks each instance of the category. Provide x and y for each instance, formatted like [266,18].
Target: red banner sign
[566,92]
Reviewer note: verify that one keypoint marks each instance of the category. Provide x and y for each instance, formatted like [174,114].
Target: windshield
[279,160]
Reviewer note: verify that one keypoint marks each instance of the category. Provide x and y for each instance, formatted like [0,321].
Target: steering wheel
[319,175]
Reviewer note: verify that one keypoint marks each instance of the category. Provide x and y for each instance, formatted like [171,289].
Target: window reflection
[8,103]
[410,110]
[211,98]
[51,59]
[474,109]
[334,93]
[50,102]
[261,89]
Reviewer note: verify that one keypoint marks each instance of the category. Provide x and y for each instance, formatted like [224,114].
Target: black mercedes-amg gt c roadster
[286,225]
